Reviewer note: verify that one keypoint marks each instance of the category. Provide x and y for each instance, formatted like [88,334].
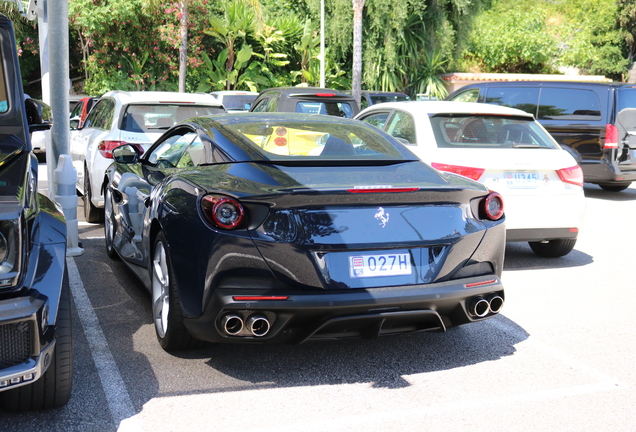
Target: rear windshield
[338,109]
[144,118]
[237,102]
[305,141]
[389,98]
[487,131]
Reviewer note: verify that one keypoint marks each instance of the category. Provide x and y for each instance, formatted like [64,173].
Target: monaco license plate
[380,265]
[521,180]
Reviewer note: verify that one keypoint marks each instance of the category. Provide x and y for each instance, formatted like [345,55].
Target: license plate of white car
[392,264]
[521,180]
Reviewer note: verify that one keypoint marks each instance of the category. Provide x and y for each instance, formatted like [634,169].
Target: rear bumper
[541,234]
[538,213]
[303,316]
[603,171]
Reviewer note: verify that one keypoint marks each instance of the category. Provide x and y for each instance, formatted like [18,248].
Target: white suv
[119,118]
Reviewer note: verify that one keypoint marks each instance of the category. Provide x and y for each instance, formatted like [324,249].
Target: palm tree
[358,6]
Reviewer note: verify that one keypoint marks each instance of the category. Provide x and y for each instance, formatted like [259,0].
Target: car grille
[15,343]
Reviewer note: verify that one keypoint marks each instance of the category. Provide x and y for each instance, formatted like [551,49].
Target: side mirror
[74,122]
[126,154]
[38,115]
[247,106]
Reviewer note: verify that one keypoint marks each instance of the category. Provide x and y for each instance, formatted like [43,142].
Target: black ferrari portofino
[272,227]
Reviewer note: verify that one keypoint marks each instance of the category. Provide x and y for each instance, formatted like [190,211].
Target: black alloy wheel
[553,248]
[109,224]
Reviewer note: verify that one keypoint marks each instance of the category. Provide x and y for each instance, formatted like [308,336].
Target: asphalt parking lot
[560,357]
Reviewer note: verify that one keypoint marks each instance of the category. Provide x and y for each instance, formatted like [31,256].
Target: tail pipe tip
[232,324]
[480,307]
[495,303]
[258,325]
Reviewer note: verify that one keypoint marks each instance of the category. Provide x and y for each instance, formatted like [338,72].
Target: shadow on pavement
[594,191]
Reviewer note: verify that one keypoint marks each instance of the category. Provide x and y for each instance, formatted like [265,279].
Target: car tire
[614,187]
[53,389]
[553,248]
[92,214]
[166,305]
[109,224]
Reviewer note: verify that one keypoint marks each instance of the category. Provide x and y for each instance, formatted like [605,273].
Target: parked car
[369,97]
[36,345]
[595,122]
[240,244]
[235,101]
[80,112]
[310,100]
[121,117]
[505,149]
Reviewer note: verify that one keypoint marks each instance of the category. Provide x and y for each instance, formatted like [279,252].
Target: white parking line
[119,402]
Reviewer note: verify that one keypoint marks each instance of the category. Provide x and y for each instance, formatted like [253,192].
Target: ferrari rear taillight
[221,211]
[611,137]
[106,148]
[573,175]
[492,207]
[470,172]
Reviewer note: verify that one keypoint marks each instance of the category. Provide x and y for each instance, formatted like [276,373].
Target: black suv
[311,100]
[595,122]
[36,349]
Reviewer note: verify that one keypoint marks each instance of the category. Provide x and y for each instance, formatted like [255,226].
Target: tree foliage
[406,45]
[543,36]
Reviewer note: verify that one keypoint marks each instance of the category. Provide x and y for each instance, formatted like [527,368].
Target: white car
[235,100]
[506,150]
[119,118]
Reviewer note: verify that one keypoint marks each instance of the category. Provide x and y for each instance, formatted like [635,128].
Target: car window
[377,119]
[292,140]
[523,98]
[389,98]
[194,155]
[147,117]
[338,109]
[468,96]
[261,106]
[169,153]
[4,106]
[237,101]
[78,109]
[402,126]
[625,98]
[569,104]
[488,131]
[364,103]
[101,116]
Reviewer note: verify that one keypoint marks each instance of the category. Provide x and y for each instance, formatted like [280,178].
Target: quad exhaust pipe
[256,325]
[481,307]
